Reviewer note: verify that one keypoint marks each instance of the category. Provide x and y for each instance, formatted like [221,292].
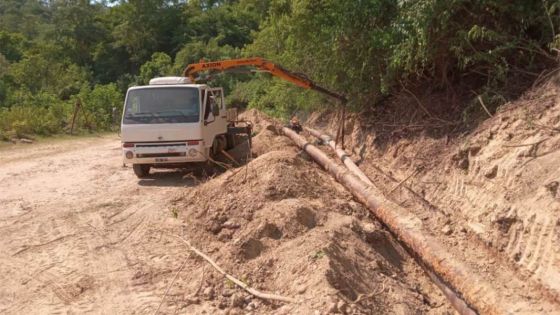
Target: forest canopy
[54,52]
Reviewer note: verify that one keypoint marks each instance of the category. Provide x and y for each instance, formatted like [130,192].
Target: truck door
[214,119]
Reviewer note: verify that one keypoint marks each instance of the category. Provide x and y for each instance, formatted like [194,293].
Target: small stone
[341,306]
[222,304]
[332,308]
[553,188]
[492,172]
[463,164]
[368,227]
[237,300]
[227,292]
[232,225]
[301,289]
[474,149]
[446,230]
[255,304]
[208,292]
[214,227]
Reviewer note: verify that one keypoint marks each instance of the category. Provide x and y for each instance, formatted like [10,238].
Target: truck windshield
[162,105]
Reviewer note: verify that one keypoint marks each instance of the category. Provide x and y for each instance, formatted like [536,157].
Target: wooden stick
[169,286]
[259,294]
[484,106]
[229,157]
[525,145]
[403,181]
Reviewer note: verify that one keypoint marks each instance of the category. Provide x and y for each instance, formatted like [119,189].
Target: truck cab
[172,122]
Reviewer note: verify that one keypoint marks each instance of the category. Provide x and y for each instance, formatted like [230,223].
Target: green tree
[159,65]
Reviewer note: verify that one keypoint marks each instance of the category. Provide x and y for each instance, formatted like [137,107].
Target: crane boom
[263,65]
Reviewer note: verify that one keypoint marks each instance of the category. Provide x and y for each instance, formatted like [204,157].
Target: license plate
[161,159]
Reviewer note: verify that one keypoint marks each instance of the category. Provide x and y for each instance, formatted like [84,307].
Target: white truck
[172,122]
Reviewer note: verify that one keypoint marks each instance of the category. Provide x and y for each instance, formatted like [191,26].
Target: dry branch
[259,294]
[484,106]
[169,286]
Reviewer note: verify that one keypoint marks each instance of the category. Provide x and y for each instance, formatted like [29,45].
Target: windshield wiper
[175,112]
[141,114]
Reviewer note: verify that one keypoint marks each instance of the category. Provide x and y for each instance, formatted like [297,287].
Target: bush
[23,121]
[103,106]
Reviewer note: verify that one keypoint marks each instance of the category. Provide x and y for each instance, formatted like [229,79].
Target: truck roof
[170,80]
[166,85]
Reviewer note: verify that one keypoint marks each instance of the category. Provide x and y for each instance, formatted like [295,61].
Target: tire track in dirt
[82,243]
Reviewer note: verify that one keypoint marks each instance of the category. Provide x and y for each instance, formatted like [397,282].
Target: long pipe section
[409,230]
[341,155]
[456,301]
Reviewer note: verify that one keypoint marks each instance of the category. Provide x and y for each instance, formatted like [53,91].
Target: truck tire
[219,144]
[141,170]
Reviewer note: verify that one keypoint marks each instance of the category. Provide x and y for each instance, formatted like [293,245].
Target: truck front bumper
[164,153]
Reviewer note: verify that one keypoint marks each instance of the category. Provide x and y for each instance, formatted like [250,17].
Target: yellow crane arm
[263,65]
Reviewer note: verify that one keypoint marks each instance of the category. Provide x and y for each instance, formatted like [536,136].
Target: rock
[191,300]
[474,149]
[332,308]
[301,289]
[341,306]
[254,304]
[232,225]
[237,300]
[227,292]
[222,304]
[225,235]
[477,228]
[369,228]
[461,159]
[447,230]
[215,227]
[492,172]
[208,292]
[248,298]
[28,141]
[553,188]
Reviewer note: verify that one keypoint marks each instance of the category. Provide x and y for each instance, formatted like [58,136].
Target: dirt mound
[282,225]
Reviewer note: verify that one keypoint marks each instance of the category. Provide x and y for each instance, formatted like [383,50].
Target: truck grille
[153,155]
[161,145]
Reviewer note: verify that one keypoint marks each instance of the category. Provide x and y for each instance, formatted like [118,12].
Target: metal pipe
[341,155]
[456,301]
[475,290]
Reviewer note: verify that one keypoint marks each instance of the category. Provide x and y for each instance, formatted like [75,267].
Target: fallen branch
[484,106]
[525,145]
[229,157]
[362,296]
[169,286]
[404,180]
[259,294]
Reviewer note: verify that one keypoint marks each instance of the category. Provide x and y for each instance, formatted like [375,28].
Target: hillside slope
[493,187]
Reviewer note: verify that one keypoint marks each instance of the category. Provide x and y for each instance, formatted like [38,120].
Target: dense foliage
[56,52]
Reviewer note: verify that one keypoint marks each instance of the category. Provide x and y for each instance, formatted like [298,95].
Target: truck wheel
[141,170]
[218,145]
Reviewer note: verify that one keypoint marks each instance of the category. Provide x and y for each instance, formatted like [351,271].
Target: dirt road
[77,229]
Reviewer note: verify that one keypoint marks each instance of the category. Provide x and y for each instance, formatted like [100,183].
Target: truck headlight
[193,152]
[129,154]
